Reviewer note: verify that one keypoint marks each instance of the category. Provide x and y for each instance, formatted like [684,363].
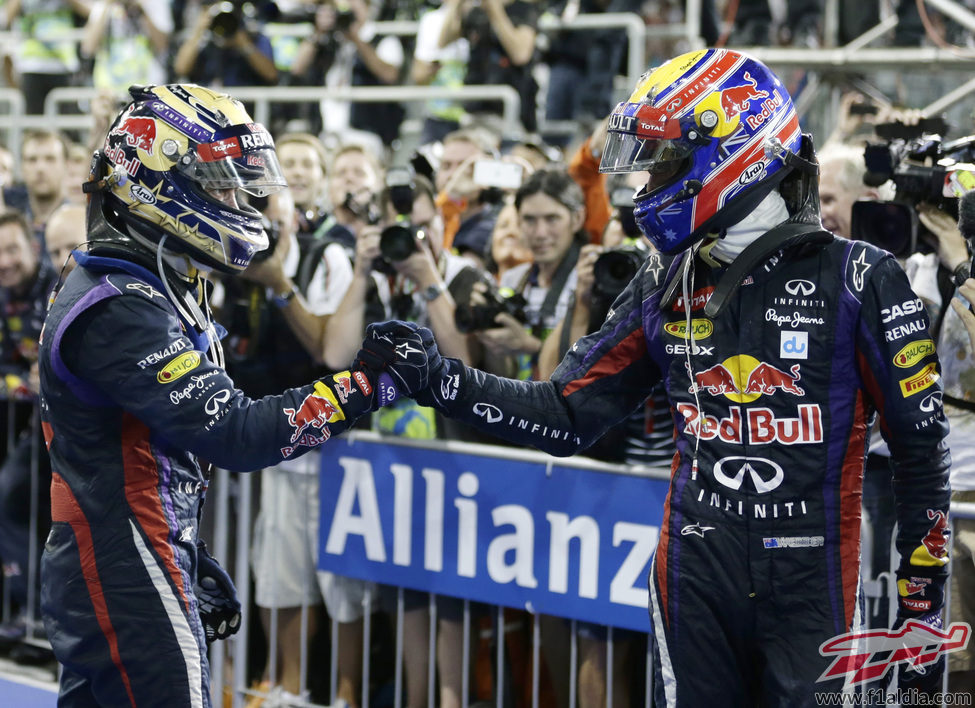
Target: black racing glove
[394,356]
[920,598]
[445,378]
[216,597]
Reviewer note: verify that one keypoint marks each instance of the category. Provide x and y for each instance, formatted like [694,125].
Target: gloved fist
[921,599]
[445,378]
[216,596]
[394,356]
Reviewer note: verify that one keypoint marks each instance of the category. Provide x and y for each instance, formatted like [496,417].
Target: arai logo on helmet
[142,194]
[752,172]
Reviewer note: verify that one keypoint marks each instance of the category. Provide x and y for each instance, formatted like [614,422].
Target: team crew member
[134,399]
[776,342]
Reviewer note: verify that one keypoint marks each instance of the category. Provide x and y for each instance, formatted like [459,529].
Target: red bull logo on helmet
[744,378]
[138,132]
[316,410]
[736,99]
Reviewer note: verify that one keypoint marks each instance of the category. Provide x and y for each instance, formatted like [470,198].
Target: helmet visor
[625,152]
[239,157]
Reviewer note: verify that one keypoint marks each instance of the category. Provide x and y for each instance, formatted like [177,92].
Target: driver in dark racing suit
[777,343]
[135,402]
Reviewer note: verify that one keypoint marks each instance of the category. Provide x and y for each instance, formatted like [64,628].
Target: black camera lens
[397,242]
[227,21]
[614,269]
[344,20]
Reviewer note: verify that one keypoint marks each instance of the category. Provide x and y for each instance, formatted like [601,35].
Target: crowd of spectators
[477,235]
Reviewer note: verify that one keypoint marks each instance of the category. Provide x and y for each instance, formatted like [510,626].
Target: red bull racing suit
[758,559]
[130,405]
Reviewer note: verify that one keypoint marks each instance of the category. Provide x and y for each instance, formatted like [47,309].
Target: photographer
[501,35]
[227,48]
[127,42]
[343,50]
[954,335]
[551,213]
[465,214]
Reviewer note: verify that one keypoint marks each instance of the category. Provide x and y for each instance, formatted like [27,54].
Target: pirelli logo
[920,381]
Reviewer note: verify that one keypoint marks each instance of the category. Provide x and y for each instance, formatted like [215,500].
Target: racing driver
[777,343]
[136,404]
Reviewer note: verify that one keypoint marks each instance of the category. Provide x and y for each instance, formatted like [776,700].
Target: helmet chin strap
[187,304]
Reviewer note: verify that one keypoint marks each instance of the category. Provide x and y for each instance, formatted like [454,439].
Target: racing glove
[394,355]
[445,375]
[216,597]
[920,599]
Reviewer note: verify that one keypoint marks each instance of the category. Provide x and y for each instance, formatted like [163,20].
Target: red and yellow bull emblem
[318,409]
[743,378]
[933,551]
[138,132]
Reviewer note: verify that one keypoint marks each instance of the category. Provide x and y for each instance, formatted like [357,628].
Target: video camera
[924,169]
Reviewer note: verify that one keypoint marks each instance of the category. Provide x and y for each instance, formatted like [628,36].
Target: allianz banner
[526,533]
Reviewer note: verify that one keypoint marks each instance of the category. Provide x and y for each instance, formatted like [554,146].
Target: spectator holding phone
[458,196]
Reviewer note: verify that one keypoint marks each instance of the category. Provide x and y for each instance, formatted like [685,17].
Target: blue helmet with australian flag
[714,128]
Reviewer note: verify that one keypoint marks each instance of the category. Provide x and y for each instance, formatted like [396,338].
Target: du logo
[793,345]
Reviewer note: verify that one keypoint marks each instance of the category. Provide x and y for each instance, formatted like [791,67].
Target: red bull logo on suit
[744,378]
[316,410]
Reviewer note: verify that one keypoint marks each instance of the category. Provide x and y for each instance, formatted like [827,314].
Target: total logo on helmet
[743,378]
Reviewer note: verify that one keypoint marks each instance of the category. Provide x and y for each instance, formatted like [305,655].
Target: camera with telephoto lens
[924,168]
[398,241]
[615,268]
[474,318]
[228,19]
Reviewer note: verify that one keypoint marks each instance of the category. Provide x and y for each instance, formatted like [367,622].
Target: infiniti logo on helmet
[492,414]
[800,287]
